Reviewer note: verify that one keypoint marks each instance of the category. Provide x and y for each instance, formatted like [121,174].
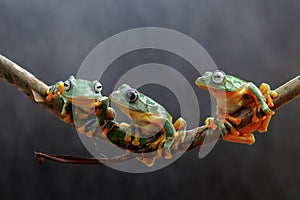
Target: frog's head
[134,104]
[79,89]
[219,81]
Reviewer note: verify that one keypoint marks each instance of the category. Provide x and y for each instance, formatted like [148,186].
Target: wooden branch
[27,83]
[35,90]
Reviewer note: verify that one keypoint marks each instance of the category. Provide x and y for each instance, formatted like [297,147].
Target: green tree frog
[148,118]
[84,99]
[231,94]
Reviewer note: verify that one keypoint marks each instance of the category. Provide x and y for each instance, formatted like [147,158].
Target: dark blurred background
[255,40]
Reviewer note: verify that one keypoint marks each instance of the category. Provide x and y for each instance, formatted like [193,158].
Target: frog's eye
[67,85]
[218,76]
[132,95]
[98,87]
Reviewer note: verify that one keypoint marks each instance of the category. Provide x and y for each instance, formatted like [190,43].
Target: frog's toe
[167,154]
[167,151]
[232,130]
[210,123]
[81,129]
[67,118]
[180,124]
[268,111]
[264,124]
[136,140]
[235,120]
[127,137]
[255,119]
[179,137]
[158,153]
[182,136]
[49,97]
[274,94]
[110,114]
[176,143]
[149,162]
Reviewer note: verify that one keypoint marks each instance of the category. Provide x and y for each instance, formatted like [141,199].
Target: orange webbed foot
[210,123]
[268,94]
[67,118]
[149,162]
[242,138]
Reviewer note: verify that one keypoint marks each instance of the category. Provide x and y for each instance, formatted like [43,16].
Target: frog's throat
[81,101]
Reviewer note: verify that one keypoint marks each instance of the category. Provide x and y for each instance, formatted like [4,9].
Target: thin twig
[82,160]
[35,89]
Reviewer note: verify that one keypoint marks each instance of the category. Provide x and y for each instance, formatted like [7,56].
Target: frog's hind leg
[264,124]
[236,136]
[242,138]
[180,128]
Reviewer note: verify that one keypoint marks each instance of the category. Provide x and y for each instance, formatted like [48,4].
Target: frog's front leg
[133,134]
[180,128]
[169,133]
[166,140]
[269,95]
[101,108]
[66,112]
[261,101]
[54,91]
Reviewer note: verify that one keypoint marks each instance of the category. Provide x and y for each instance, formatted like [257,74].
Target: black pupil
[217,76]
[245,96]
[131,96]
[67,85]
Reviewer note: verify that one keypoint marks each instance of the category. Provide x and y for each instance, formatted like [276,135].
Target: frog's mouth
[131,113]
[125,109]
[202,86]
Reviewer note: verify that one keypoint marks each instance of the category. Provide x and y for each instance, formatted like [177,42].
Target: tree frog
[231,94]
[87,101]
[149,118]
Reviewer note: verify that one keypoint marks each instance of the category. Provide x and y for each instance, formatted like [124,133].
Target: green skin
[82,94]
[147,115]
[231,85]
